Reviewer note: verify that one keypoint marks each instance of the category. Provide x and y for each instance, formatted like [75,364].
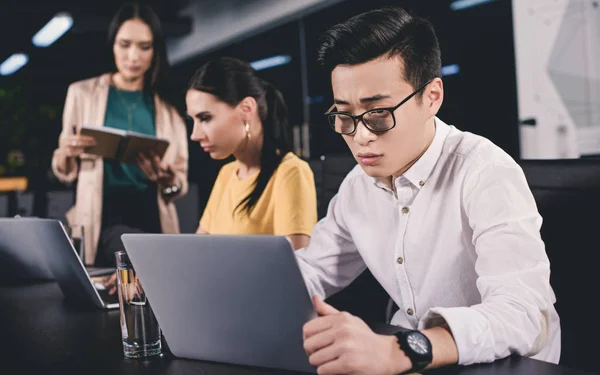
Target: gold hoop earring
[247,128]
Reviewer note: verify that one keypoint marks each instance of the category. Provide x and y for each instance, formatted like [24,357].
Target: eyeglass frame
[358,118]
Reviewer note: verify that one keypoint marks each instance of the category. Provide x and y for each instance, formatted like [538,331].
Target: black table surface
[41,334]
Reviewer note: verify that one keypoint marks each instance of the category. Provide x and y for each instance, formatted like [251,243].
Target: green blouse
[134,111]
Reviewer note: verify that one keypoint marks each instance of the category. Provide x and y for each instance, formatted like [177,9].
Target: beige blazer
[86,105]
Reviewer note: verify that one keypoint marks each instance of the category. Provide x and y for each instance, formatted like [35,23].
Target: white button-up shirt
[458,242]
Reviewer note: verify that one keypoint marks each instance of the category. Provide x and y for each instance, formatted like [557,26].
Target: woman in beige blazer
[114,198]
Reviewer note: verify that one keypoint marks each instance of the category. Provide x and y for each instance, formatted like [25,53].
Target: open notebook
[122,145]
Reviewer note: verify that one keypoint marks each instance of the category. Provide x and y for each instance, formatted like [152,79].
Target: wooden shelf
[8,184]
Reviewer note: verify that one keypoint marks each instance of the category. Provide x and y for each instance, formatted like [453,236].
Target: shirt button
[405,210]
[421,183]
[400,260]
[410,311]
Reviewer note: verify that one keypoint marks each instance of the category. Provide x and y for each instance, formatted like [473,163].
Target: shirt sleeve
[512,267]
[71,117]
[180,164]
[331,261]
[295,210]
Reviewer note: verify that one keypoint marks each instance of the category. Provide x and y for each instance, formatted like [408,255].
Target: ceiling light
[450,70]
[271,62]
[13,63]
[53,30]
[465,4]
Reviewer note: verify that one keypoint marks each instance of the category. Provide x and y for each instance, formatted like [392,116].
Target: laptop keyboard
[99,271]
[107,298]
[98,282]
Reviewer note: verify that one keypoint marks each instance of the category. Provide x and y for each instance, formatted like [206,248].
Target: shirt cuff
[470,330]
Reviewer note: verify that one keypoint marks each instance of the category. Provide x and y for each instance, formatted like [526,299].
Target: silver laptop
[232,299]
[41,249]
[21,258]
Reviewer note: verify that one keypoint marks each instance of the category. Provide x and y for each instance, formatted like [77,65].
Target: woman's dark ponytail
[231,80]
[275,144]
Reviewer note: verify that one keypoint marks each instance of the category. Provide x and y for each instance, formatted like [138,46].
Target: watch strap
[418,361]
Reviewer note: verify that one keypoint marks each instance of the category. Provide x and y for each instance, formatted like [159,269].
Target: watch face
[418,343]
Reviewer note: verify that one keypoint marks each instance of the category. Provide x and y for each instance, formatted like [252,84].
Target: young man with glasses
[444,219]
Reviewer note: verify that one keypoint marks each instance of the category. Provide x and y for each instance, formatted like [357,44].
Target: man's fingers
[323,308]
[326,354]
[317,325]
[337,366]
[319,341]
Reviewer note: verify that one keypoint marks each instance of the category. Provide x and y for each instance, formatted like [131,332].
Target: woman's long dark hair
[232,80]
[155,79]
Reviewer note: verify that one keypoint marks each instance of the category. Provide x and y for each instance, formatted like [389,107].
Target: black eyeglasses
[377,120]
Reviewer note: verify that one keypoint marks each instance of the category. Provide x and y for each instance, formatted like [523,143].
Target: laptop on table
[40,249]
[232,299]
[21,258]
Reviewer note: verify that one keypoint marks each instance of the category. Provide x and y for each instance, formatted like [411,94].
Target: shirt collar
[420,171]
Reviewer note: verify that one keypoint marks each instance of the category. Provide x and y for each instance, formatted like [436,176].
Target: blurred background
[523,73]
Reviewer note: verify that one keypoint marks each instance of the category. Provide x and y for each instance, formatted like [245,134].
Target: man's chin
[374,171]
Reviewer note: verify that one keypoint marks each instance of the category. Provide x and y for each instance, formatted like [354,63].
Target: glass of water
[139,329]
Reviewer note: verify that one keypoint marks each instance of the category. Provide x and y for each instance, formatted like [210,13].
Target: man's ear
[433,96]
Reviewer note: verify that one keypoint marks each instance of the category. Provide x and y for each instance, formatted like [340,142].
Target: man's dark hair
[390,31]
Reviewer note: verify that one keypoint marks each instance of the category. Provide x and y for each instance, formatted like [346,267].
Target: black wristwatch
[417,347]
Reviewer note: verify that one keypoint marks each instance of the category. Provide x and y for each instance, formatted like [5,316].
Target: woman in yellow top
[267,189]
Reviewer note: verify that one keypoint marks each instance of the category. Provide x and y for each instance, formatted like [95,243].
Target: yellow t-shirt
[287,206]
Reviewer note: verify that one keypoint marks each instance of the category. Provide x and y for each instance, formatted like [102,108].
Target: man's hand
[340,343]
